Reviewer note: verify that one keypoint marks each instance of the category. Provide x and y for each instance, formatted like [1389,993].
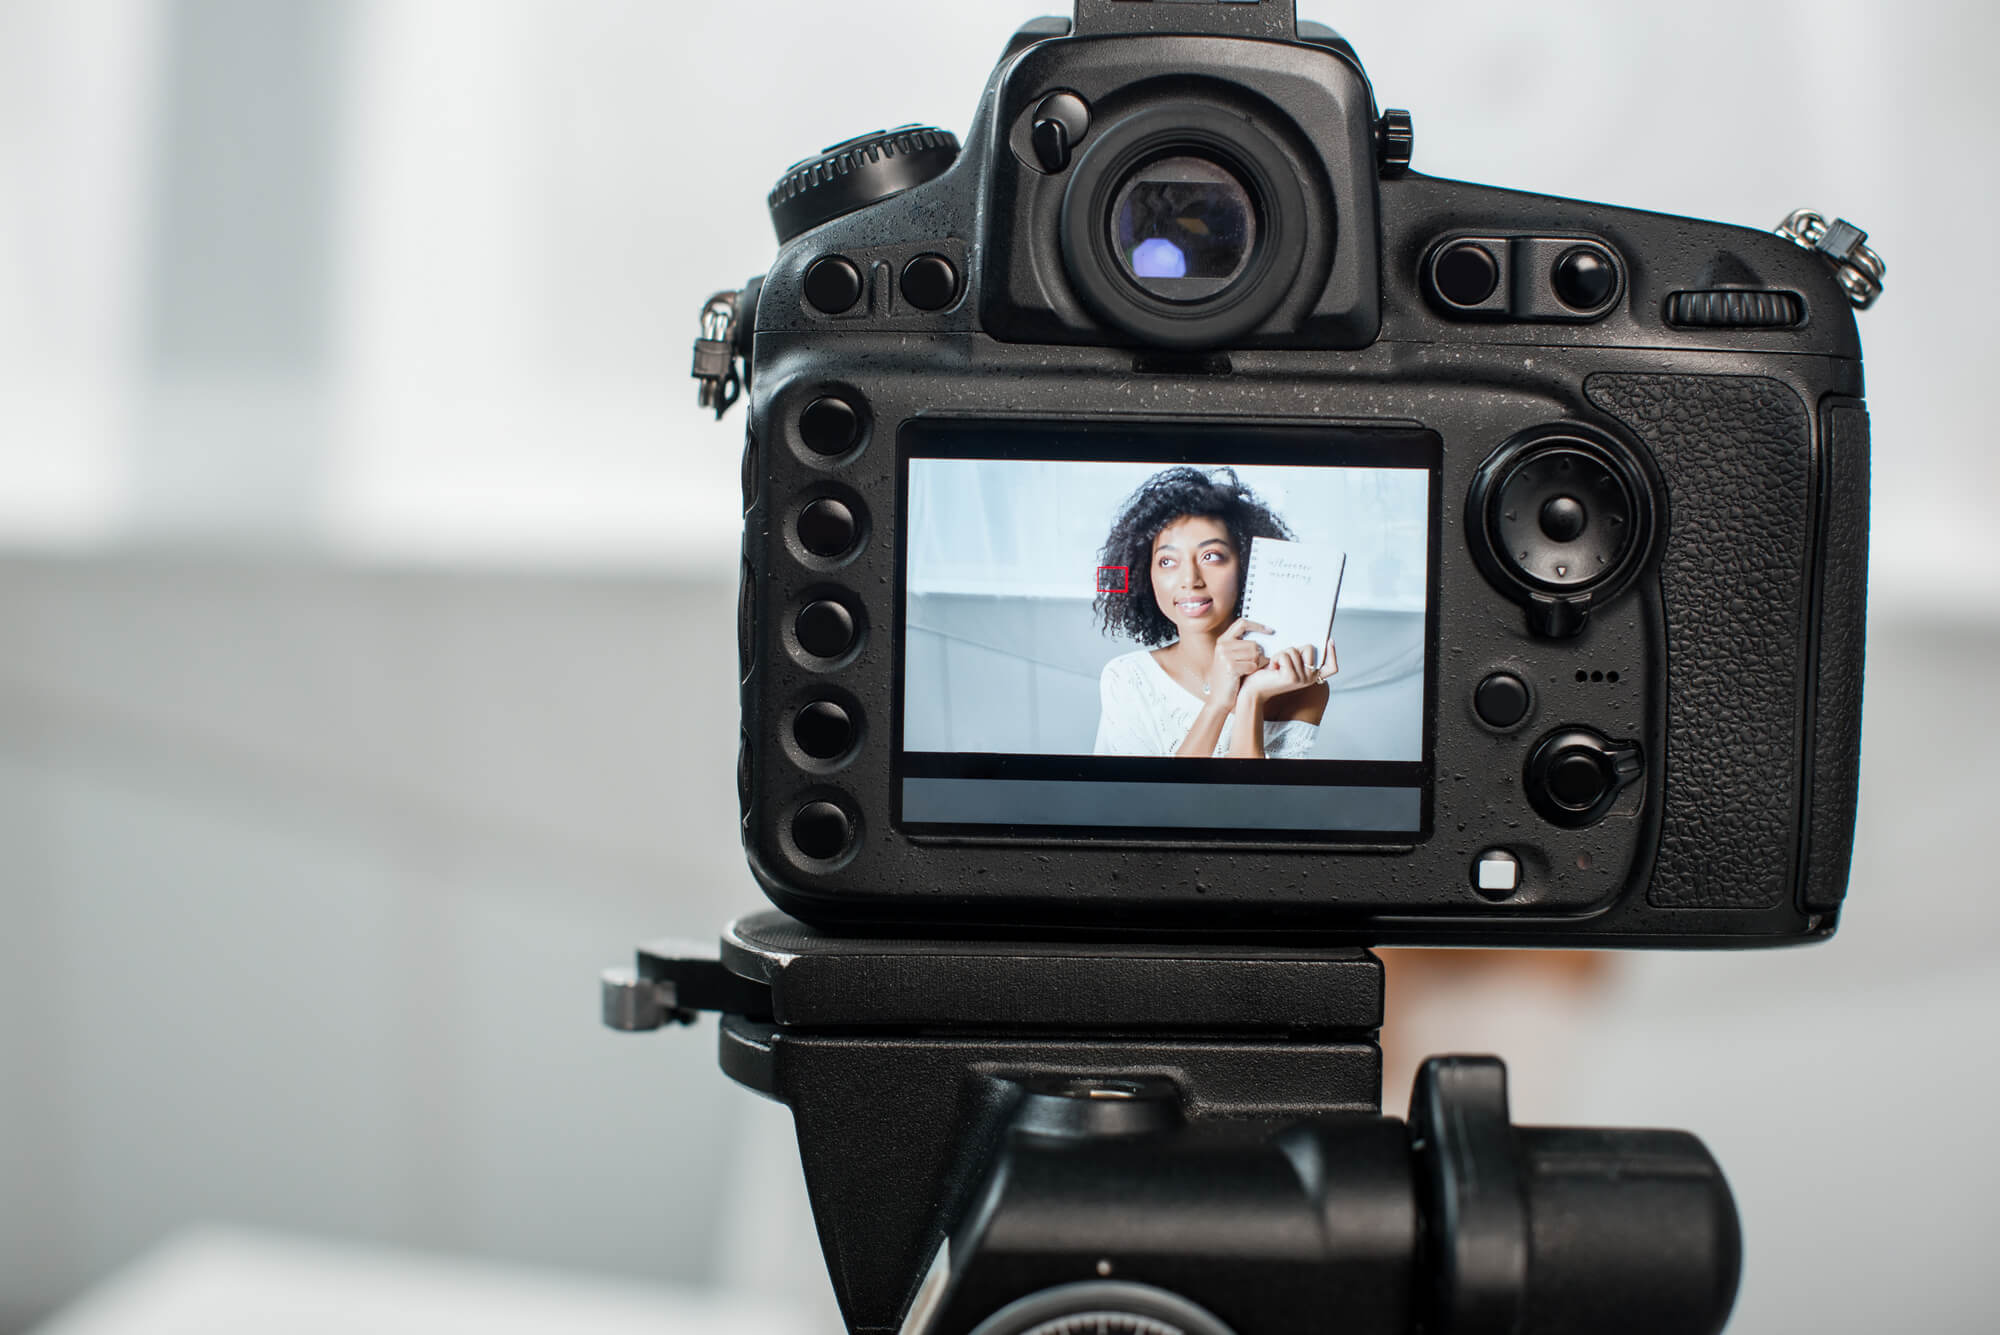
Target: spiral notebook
[1294,588]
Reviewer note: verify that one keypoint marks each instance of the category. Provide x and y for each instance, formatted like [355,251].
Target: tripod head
[1009,1136]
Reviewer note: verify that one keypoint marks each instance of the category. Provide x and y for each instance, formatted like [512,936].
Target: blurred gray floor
[308,873]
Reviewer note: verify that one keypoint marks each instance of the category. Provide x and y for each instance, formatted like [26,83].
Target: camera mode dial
[857,173]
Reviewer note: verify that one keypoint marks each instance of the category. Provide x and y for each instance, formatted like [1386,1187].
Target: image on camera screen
[1210,631]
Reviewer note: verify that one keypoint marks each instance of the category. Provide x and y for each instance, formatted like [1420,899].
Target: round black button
[827,527]
[830,426]
[825,629]
[1466,274]
[833,284]
[930,283]
[1563,519]
[823,730]
[1577,779]
[1584,278]
[1501,700]
[820,829]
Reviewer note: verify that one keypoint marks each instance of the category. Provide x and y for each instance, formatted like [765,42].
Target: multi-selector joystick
[1559,519]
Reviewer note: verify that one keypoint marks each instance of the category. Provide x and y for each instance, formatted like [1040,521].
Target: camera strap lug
[716,355]
[1841,244]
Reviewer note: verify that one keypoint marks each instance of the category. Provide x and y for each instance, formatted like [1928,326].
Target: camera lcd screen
[1166,632]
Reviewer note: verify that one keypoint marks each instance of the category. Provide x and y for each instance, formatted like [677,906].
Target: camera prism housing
[1564,508]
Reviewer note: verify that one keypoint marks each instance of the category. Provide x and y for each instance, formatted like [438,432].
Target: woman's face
[1195,574]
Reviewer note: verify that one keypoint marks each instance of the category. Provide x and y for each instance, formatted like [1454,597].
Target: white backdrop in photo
[1035,528]
[1002,653]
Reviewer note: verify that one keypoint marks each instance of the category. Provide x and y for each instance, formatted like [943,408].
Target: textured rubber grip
[1736,456]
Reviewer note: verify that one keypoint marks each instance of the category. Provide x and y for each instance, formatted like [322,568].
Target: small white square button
[1498,872]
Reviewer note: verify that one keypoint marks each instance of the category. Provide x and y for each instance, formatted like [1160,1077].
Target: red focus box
[1106,574]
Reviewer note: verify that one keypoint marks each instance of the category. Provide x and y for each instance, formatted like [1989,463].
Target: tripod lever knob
[1469,1178]
[1565,1229]
[635,1005]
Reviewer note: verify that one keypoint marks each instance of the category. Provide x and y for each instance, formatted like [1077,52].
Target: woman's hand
[1291,670]
[1235,658]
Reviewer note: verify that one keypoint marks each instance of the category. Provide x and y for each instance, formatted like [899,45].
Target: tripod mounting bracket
[932,1083]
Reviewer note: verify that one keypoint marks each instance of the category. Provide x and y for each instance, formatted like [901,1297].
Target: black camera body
[1599,637]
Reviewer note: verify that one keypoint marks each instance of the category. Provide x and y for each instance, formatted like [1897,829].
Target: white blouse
[1144,712]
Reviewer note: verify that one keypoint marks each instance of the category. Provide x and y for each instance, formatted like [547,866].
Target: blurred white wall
[364,636]
[528,202]
[77,90]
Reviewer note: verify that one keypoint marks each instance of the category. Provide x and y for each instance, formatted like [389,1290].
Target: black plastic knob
[1501,700]
[821,830]
[930,282]
[857,173]
[1396,139]
[1060,123]
[828,527]
[1564,519]
[823,730]
[1584,278]
[832,284]
[1465,274]
[830,425]
[825,628]
[1578,779]
[1574,775]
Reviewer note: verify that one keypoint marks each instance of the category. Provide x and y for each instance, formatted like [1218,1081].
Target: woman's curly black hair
[1177,493]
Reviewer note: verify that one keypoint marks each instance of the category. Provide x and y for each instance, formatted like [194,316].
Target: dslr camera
[1167,512]
[1184,547]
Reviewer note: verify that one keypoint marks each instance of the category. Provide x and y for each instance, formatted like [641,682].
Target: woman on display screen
[1198,687]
